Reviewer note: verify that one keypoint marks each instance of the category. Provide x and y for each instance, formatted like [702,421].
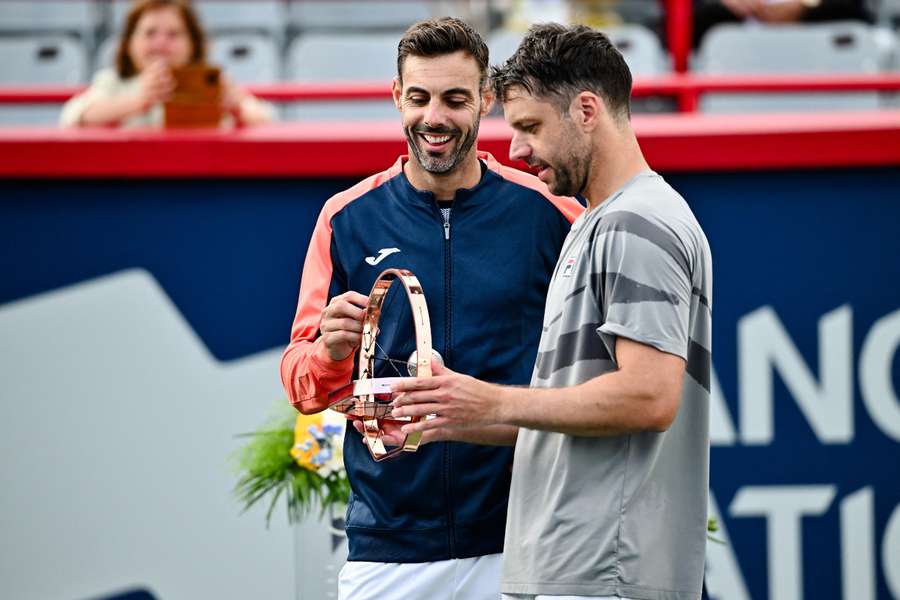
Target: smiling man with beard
[438,147]
[482,240]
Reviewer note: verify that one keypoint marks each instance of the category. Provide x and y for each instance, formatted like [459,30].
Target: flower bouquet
[299,457]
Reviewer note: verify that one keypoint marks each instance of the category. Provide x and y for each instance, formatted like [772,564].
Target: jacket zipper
[447,358]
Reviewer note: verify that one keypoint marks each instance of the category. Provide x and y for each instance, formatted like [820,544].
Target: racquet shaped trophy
[368,398]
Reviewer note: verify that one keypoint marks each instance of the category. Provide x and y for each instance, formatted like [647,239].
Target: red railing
[679,30]
[672,143]
[686,88]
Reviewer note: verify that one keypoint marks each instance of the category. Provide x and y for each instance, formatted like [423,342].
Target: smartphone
[197,99]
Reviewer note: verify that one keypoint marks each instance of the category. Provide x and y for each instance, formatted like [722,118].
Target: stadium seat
[229,15]
[41,60]
[81,17]
[395,15]
[828,48]
[644,12]
[247,57]
[116,14]
[888,13]
[639,46]
[237,15]
[106,53]
[348,57]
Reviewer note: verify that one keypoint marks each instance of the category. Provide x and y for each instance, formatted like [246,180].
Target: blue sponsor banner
[806,455]
[806,417]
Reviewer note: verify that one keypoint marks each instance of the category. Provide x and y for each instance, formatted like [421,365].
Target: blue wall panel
[803,244]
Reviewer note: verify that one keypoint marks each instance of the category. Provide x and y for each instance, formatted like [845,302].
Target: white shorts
[457,579]
[531,597]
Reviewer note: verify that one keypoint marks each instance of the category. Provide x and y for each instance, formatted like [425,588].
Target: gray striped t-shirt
[625,515]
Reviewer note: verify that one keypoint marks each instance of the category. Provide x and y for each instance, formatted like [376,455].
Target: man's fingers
[413,397]
[349,301]
[422,409]
[426,425]
[439,368]
[334,338]
[355,298]
[414,384]
[391,432]
[350,305]
[343,310]
[353,325]
[338,308]
[341,324]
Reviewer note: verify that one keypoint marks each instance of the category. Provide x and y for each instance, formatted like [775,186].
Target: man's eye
[419,100]
[455,102]
[530,128]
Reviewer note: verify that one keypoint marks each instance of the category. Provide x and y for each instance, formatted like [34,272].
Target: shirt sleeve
[307,371]
[104,85]
[641,276]
[263,107]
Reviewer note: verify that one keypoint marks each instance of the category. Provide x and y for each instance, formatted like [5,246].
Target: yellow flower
[306,447]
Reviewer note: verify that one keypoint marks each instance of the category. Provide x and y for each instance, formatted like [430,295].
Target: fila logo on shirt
[382,254]
[569,267]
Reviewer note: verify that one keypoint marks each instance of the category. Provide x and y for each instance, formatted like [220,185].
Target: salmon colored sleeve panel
[308,373]
[569,207]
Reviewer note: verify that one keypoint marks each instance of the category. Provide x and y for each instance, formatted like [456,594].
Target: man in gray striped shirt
[611,470]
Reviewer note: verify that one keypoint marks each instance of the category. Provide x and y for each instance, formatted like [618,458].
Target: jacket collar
[462,194]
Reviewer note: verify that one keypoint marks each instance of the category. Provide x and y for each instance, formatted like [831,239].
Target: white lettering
[783,507]
[724,580]
[875,362]
[764,346]
[890,553]
[858,545]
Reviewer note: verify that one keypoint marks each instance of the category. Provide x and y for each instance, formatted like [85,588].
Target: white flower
[334,423]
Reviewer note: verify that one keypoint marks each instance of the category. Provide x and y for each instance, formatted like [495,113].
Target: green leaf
[266,470]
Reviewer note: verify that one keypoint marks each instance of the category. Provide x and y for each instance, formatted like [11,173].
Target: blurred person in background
[708,13]
[159,36]
[599,14]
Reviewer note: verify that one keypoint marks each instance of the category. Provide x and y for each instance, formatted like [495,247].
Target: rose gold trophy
[368,398]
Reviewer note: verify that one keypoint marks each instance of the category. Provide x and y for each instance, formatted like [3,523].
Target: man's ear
[396,91]
[587,109]
[487,101]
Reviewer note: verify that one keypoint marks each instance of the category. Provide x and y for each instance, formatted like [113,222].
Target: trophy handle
[422,325]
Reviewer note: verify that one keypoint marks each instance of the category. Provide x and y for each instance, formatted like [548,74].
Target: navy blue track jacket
[485,274]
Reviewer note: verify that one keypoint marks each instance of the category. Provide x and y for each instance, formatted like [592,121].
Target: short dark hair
[125,66]
[558,62]
[437,37]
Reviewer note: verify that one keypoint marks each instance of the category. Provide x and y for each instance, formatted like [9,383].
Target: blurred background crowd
[125,50]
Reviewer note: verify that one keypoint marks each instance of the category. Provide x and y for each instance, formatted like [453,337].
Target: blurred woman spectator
[159,35]
[708,13]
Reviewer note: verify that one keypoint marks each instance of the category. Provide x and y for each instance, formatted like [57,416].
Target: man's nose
[518,149]
[435,116]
